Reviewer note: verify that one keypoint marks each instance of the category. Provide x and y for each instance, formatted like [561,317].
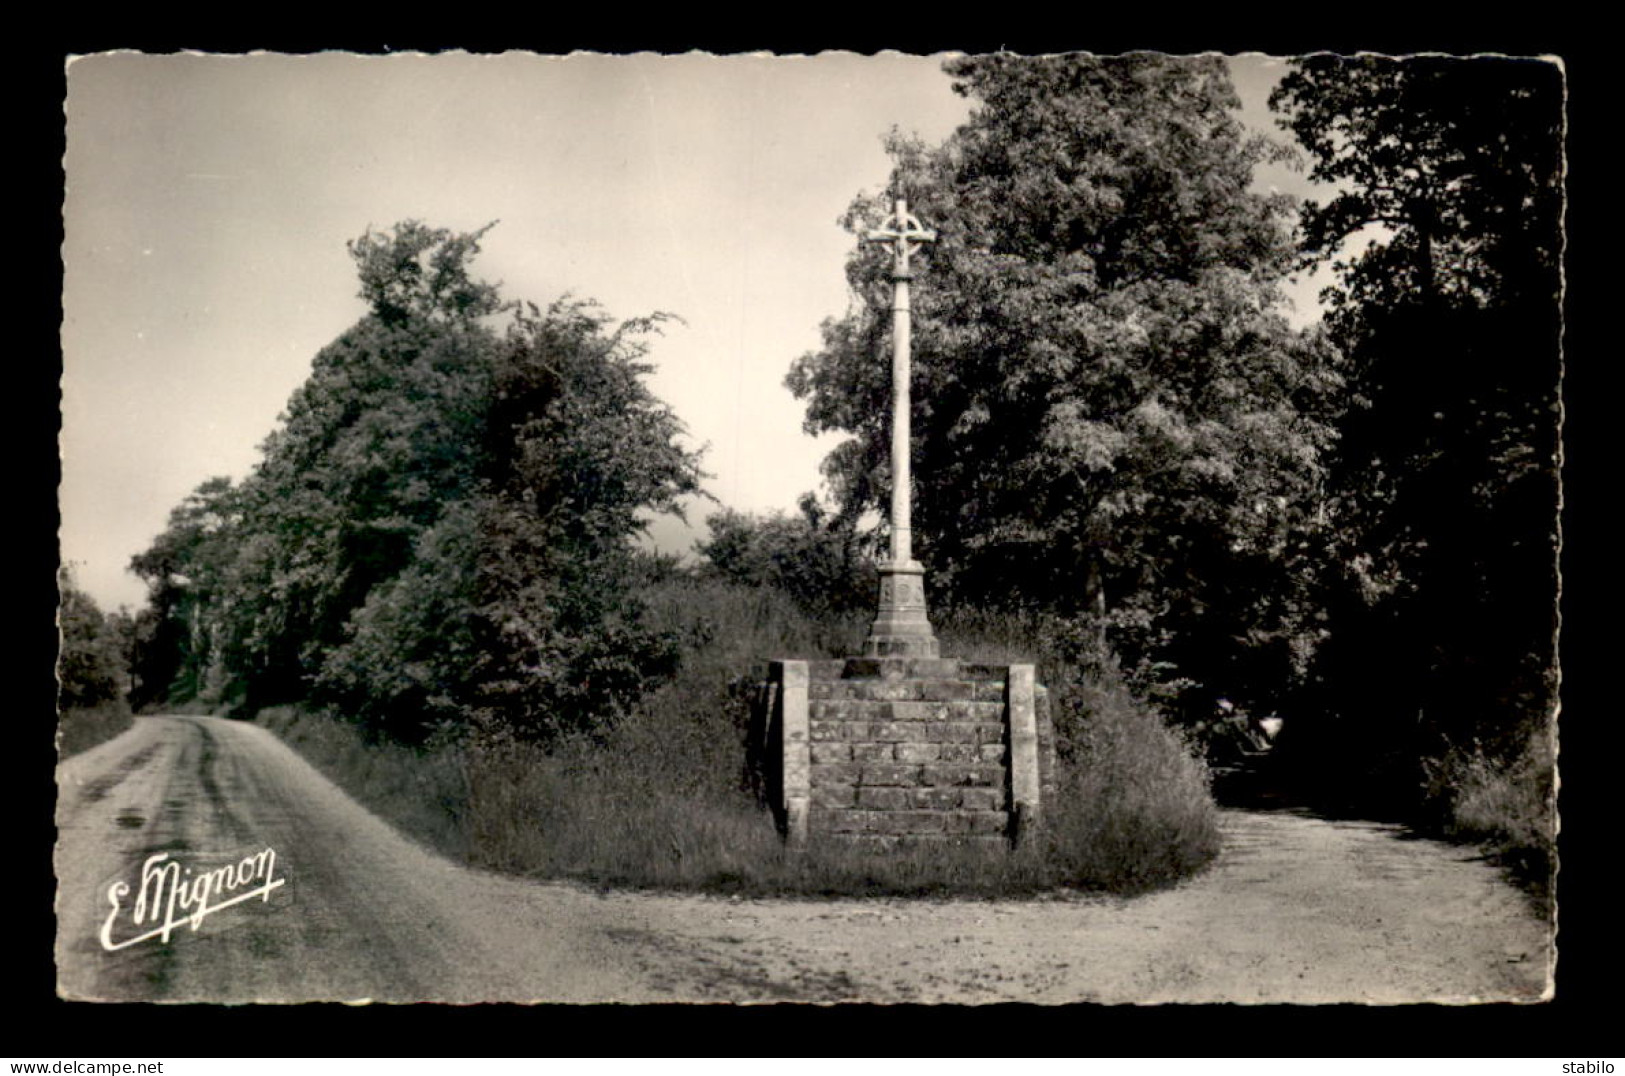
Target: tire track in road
[100,788]
[364,914]
[114,832]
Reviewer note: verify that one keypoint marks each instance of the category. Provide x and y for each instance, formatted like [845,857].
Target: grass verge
[81,728]
[1505,805]
[420,791]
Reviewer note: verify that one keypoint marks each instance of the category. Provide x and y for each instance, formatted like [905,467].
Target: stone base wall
[906,749]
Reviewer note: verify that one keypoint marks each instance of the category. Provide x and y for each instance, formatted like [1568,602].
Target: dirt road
[1297,909]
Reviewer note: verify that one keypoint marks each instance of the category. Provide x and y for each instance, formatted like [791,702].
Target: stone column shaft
[902,538]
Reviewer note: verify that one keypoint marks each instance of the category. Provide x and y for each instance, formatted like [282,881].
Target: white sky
[210,198]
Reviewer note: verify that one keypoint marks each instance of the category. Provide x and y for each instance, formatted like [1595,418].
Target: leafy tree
[421,273]
[1445,479]
[1112,417]
[382,436]
[440,527]
[580,450]
[91,666]
[177,637]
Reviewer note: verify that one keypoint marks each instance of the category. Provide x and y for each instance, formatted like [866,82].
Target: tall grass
[422,791]
[1133,806]
[1505,802]
[81,728]
[660,799]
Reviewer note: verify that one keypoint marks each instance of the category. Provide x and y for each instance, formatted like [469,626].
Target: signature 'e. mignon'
[167,886]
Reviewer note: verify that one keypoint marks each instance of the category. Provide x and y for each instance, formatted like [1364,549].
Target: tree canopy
[92,659]
[824,567]
[1112,416]
[435,531]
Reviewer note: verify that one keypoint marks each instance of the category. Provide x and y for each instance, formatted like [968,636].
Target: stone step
[832,751]
[908,774]
[905,710]
[898,823]
[905,690]
[869,798]
[895,668]
[933,843]
[842,730]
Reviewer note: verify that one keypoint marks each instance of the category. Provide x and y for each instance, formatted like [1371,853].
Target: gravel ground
[1296,909]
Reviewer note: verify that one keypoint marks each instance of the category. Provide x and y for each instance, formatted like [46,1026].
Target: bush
[92,670]
[817,561]
[91,665]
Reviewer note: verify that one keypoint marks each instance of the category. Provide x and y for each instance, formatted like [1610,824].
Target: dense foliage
[1112,417]
[92,660]
[819,561]
[92,669]
[438,529]
[1441,569]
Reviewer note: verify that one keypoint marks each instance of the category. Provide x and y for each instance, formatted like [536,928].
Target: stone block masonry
[890,749]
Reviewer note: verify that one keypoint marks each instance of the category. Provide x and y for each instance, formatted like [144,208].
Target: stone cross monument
[901,745]
[901,628]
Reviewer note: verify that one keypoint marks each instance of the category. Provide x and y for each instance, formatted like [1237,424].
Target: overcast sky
[210,198]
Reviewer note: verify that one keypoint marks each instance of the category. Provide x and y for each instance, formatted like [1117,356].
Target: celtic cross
[905,231]
[901,627]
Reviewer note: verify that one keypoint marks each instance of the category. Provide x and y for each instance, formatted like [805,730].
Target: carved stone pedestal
[901,628]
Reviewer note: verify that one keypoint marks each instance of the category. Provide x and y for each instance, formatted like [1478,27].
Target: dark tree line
[1443,486]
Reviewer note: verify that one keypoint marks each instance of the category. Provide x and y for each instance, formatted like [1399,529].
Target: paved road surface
[1297,909]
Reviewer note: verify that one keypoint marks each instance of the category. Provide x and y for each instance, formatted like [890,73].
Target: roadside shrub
[92,665]
[92,669]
